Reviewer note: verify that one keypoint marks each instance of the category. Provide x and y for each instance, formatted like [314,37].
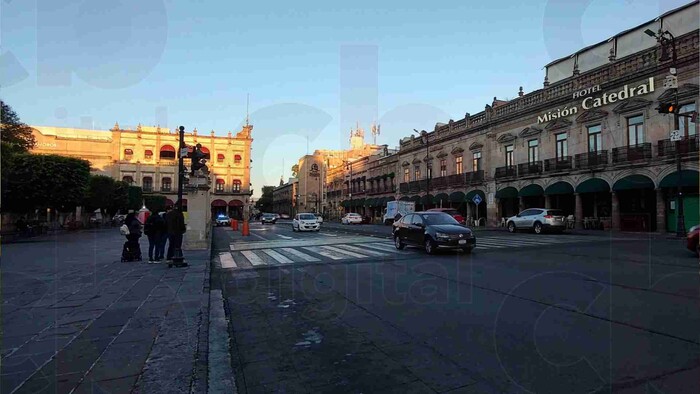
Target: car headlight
[442,235]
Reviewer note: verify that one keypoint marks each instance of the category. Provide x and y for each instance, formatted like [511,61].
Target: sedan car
[693,242]
[223,220]
[351,218]
[305,222]
[450,211]
[268,218]
[432,230]
[537,220]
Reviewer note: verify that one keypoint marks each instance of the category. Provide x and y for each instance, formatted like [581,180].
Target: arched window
[220,185]
[207,155]
[220,158]
[128,153]
[237,159]
[147,184]
[128,179]
[148,154]
[236,186]
[167,152]
[166,185]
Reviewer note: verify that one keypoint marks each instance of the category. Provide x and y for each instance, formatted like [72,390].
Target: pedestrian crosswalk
[280,252]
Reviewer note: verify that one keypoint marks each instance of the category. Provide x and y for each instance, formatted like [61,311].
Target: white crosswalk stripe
[381,246]
[284,236]
[303,256]
[342,251]
[324,253]
[366,251]
[329,234]
[252,257]
[278,257]
[227,260]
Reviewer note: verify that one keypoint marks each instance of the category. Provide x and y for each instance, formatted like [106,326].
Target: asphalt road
[342,311]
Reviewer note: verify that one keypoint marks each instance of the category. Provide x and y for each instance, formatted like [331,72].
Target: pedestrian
[154,230]
[175,225]
[134,225]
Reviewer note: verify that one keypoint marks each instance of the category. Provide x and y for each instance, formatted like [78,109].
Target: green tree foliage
[264,203]
[45,181]
[119,199]
[99,193]
[16,136]
[135,194]
[155,203]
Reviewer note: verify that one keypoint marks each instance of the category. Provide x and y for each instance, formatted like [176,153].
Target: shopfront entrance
[637,203]
[532,196]
[508,203]
[596,204]
[688,180]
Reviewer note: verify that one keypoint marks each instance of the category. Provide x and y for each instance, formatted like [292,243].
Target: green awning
[688,178]
[632,182]
[441,197]
[560,187]
[415,199]
[360,202]
[427,199]
[344,204]
[405,198]
[531,190]
[593,185]
[507,192]
[369,202]
[387,199]
[457,197]
[470,196]
[380,202]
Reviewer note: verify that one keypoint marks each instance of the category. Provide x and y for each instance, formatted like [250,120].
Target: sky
[312,70]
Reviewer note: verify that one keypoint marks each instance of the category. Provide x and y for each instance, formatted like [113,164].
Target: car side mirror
[517,216]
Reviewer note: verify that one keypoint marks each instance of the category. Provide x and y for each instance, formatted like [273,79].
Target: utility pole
[181,168]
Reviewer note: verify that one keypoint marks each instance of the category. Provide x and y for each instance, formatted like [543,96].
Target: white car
[305,222]
[223,220]
[351,218]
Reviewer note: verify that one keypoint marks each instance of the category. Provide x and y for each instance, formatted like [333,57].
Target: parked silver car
[538,220]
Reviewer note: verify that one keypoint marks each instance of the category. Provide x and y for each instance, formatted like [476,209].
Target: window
[416,173]
[220,185]
[416,220]
[635,130]
[148,154]
[509,155]
[686,127]
[406,175]
[595,143]
[237,159]
[167,152]
[476,161]
[166,184]
[220,157]
[458,165]
[147,184]
[532,151]
[562,149]
[128,179]
[128,153]
[207,155]
[430,170]
[236,186]
[443,167]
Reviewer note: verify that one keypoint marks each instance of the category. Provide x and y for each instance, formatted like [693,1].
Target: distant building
[284,197]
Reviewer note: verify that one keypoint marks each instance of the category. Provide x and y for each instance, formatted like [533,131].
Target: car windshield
[438,218]
[354,215]
[223,217]
[307,216]
[268,215]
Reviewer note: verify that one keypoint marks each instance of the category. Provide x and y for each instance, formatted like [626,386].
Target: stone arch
[539,182]
[604,176]
[670,169]
[565,178]
[636,171]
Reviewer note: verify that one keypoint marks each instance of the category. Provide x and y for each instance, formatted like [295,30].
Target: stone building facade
[147,157]
[284,197]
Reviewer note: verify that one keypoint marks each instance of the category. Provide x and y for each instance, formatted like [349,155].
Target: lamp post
[664,37]
[428,166]
[181,169]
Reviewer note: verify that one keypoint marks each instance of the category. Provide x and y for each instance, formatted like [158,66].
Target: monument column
[198,222]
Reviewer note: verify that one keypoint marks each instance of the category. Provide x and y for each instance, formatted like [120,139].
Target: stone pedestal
[578,211]
[493,212]
[198,214]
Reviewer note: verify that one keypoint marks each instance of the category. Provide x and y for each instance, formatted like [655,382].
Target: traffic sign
[183,152]
[477,199]
[676,135]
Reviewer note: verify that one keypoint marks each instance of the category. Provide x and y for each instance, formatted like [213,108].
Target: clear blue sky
[312,68]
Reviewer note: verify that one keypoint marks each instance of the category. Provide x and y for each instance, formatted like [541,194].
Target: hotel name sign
[593,101]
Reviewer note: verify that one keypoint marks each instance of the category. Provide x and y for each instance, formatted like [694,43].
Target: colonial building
[590,142]
[147,157]
[284,200]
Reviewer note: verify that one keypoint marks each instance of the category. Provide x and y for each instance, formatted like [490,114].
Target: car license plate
[462,241]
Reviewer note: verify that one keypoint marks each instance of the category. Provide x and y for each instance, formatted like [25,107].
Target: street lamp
[428,166]
[181,168]
[664,38]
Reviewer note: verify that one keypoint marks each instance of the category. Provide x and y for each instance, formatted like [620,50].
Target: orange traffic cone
[245,230]
[234,225]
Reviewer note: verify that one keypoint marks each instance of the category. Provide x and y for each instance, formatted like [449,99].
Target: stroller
[131,251]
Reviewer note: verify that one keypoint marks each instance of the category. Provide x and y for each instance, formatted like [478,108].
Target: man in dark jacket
[175,225]
[155,230]
[134,225]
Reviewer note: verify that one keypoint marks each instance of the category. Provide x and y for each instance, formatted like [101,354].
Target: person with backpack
[155,229]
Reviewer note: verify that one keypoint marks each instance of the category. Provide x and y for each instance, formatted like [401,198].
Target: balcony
[403,187]
[147,189]
[438,183]
[414,186]
[558,164]
[505,172]
[456,180]
[591,159]
[530,169]
[475,177]
[686,147]
[632,153]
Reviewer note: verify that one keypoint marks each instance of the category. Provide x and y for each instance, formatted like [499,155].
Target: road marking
[328,234]
[284,236]
[319,251]
[301,255]
[227,260]
[297,242]
[278,257]
[252,257]
[259,236]
[341,251]
[356,249]
[382,247]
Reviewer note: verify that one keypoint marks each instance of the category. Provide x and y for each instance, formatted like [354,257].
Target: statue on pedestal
[199,161]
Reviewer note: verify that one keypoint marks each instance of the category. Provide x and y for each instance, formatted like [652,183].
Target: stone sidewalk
[75,318]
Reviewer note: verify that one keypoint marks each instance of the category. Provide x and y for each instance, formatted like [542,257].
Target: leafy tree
[155,203]
[16,136]
[45,181]
[295,170]
[99,194]
[135,194]
[119,199]
[264,203]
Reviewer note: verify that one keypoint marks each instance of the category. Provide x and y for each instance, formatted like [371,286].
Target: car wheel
[538,228]
[397,242]
[294,230]
[467,250]
[511,227]
[429,246]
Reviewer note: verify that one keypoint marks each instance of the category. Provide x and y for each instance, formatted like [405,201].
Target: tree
[155,203]
[99,194]
[135,194]
[119,199]
[264,203]
[45,181]
[16,136]
[295,170]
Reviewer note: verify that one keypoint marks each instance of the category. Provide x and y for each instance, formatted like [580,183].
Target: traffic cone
[234,225]
[245,230]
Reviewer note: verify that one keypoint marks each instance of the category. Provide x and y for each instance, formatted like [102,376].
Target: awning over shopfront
[427,199]
[405,198]
[593,185]
[470,196]
[380,202]
[457,197]
[688,178]
[370,202]
[442,197]
[235,203]
[531,190]
[387,199]
[632,182]
[218,203]
[344,204]
[507,192]
[360,202]
[560,187]
[415,199]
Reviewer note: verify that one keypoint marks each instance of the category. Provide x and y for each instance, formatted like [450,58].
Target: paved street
[75,318]
[342,311]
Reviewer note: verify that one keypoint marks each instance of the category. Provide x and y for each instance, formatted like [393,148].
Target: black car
[268,218]
[432,230]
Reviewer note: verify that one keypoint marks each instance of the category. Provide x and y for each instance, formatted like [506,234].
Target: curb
[220,376]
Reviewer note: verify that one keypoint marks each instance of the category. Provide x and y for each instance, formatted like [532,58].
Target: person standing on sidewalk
[175,224]
[134,225]
[154,229]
